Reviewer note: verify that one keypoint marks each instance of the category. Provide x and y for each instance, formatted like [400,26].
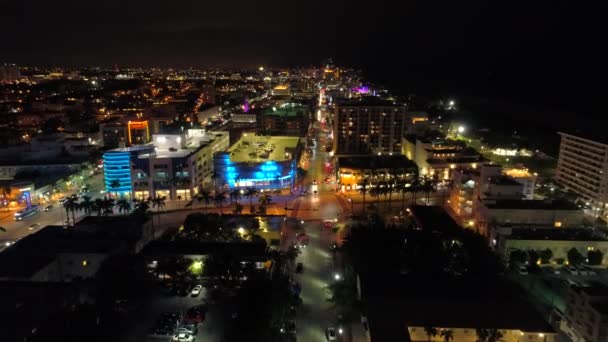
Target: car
[34,226]
[572,270]
[196,290]
[48,208]
[522,270]
[328,224]
[183,338]
[330,334]
[62,200]
[299,267]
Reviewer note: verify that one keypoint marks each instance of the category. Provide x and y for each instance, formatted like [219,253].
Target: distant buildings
[173,166]
[9,72]
[586,316]
[582,168]
[290,119]
[261,162]
[368,125]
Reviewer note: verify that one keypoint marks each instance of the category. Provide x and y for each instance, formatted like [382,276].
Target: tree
[415,186]
[447,335]
[203,196]
[6,192]
[595,257]
[363,185]
[219,198]
[517,257]
[123,205]
[238,208]
[2,229]
[430,332]
[215,176]
[158,203]
[344,297]
[494,335]
[86,204]
[533,257]
[235,195]
[141,207]
[114,184]
[71,205]
[575,257]
[251,192]
[546,255]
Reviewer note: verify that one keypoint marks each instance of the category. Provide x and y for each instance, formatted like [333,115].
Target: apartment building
[368,125]
[586,317]
[582,168]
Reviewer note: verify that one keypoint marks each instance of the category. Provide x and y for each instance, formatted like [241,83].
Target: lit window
[85,263]
[557,224]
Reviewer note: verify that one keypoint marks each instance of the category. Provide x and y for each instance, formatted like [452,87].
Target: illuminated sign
[139,126]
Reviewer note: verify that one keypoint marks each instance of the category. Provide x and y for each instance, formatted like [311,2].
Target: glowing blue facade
[117,167]
[264,175]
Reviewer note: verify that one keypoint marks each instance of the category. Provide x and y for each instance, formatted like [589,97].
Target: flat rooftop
[255,148]
[287,110]
[365,101]
[551,233]
[379,162]
[503,180]
[532,204]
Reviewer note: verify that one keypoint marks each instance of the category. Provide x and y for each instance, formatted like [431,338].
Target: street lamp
[337,276]
[352,211]
[340,331]
[461,129]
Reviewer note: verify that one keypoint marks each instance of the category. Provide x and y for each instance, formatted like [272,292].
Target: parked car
[183,338]
[522,270]
[34,226]
[330,334]
[48,208]
[299,267]
[196,290]
[572,270]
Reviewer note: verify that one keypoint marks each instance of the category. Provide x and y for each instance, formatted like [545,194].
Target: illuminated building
[281,90]
[368,125]
[261,162]
[289,119]
[586,317]
[172,166]
[113,134]
[438,157]
[351,170]
[138,132]
[524,177]
[582,168]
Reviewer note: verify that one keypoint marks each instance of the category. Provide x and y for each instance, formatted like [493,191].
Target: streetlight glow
[461,129]
[337,276]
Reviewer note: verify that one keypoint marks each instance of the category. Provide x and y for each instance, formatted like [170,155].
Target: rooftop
[373,161]
[287,110]
[550,233]
[365,101]
[469,302]
[593,289]
[255,148]
[503,180]
[531,204]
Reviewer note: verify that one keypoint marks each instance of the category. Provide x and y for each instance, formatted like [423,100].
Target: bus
[27,212]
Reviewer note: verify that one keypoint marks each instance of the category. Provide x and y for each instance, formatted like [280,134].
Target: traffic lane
[315,314]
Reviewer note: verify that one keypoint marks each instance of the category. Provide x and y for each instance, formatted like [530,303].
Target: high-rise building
[368,125]
[9,72]
[290,119]
[582,168]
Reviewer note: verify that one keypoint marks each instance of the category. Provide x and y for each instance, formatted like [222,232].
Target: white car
[34,226]
[196,290]
[522,270]
[182,338]
[330,334]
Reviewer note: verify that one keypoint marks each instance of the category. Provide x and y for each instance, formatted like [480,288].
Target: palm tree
[158,203]
[203,196]
[494,335]
[428,186]
[238,208]
[430,332]
[215,176]
[250,192]
[447,335]
[363,190]
[98,206]
[114,184]
[263,201]
[235,195]
[71,205]
[2,229]
[108,206]
[142,206]
[219,198]
[414,188]
[123,205]
[86,204]
[402,186]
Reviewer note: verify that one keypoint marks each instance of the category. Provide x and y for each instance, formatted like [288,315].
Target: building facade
[368,125]
[260,162]
[586,316]
[289,119]
[174,166]
[582,167]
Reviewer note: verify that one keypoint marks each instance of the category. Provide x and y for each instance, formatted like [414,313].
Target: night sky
[538,52]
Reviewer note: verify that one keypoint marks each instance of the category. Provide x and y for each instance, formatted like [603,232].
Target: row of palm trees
[234,196]
[387,187]
[483,335]
[105,206]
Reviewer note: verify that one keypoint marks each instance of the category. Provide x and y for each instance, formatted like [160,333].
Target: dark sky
[537,51]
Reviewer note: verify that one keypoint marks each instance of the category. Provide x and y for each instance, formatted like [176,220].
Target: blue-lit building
[117,168]
[174,166]
[261,162]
